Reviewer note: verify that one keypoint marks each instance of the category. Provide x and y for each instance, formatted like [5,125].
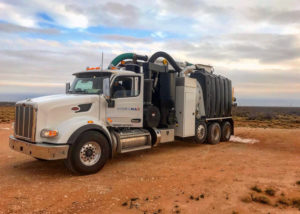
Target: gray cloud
[109,14]
[268,76]
[45,62]
[12,28]
[117,37]
[267,48]
[288,16]
[193,7]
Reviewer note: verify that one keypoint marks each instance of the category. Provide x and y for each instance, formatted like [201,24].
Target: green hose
[121,57]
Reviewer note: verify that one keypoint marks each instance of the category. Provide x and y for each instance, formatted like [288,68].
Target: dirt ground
[178,177]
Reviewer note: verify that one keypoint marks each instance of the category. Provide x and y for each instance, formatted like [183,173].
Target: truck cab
[132,105]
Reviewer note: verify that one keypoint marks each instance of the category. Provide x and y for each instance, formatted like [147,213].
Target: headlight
[49,133]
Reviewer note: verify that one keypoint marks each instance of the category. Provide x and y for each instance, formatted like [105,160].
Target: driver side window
[126,86]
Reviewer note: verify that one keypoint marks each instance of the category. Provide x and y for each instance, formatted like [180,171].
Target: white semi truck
[135,104]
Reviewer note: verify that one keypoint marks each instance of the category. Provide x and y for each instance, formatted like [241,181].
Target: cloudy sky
[254,43]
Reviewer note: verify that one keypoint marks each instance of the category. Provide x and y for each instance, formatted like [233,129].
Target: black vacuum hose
[141,57]
[167,57]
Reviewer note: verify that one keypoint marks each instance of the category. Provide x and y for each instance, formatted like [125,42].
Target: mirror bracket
[68,86]
[110,103]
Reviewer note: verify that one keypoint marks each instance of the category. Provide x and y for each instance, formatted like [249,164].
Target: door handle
[136,120]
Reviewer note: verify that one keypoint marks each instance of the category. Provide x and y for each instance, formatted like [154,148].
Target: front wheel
[88,154]
[200,132]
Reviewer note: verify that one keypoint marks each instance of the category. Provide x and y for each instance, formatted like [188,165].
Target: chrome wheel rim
[201,131]
[90,153]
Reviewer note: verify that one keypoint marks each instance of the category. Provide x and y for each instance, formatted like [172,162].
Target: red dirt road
[178,177]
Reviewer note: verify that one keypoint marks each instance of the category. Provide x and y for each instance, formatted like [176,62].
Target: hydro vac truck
[135,104]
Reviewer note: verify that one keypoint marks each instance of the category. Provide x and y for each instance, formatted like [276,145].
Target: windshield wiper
[78,92]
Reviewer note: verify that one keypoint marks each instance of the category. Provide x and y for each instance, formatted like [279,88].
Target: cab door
[127,98]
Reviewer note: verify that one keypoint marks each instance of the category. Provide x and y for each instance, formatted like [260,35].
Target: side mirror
[106,93]
[68,86]
[106,87]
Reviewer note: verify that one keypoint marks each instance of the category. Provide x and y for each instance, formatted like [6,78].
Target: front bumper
[42,150]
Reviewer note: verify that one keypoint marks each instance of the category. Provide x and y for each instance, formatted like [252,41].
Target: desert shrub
[297,121]
[284,201]
[241,114]
[265,116]
[252,116]
[296,202]
[256,189]
[261,199]
[270,191]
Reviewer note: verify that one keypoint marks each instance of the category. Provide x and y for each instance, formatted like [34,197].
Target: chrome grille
[25,122]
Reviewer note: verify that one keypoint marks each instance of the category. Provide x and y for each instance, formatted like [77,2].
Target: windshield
[87,85]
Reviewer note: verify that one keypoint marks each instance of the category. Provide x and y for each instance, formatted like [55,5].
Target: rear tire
[214,133]
[88,154]
[226,131]
[200,132]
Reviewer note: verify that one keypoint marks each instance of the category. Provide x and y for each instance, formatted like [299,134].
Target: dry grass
[256,197]
[284,201]
[261,199]
[267,117]
[7,114]
[269,191]
[256,189]
[296,202]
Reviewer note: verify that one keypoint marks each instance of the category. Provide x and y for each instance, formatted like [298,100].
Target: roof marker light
[93,68]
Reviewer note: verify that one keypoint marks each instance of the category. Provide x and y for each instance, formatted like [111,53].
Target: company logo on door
[129,109]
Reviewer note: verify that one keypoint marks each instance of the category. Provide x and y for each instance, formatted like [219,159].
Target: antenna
[102,62]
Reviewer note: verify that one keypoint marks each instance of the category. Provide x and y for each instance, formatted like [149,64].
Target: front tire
[200,132]
[88,154]
[214,133]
